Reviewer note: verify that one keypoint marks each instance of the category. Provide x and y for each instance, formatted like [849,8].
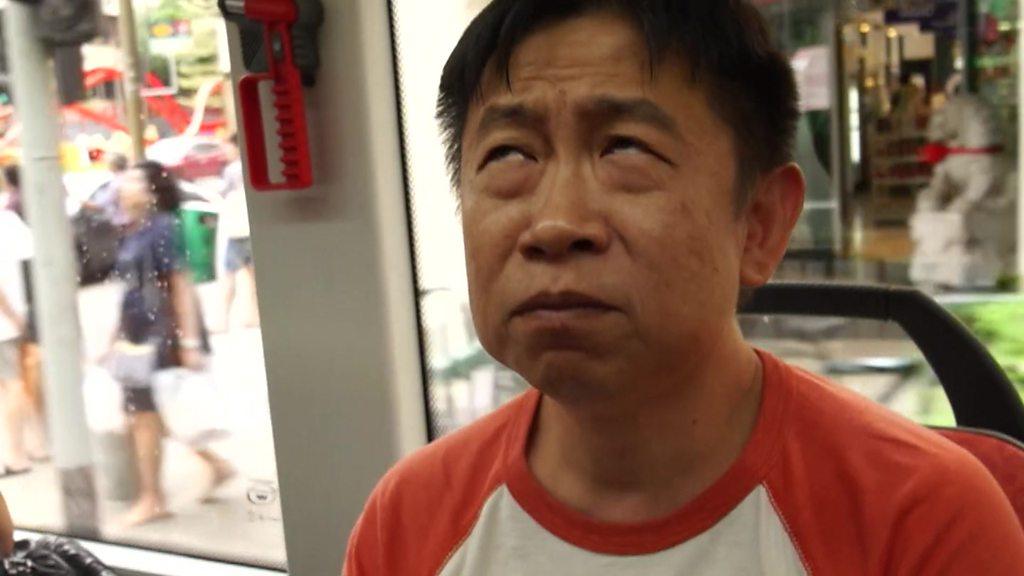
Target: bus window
[871,81]
[173,450]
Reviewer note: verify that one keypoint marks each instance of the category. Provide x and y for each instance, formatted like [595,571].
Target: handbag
[134,363]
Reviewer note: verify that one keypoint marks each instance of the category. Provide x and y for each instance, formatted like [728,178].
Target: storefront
[909,106]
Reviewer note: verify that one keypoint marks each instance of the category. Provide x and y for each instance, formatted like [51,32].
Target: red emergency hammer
[276,17]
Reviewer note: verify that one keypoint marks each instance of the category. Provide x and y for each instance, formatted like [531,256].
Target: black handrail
[978,390]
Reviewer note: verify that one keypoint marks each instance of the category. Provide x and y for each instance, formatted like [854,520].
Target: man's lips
[553,302]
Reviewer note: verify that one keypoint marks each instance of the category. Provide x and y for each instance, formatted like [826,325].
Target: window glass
[175,395]
[804,31]
[464,382]
[871,81]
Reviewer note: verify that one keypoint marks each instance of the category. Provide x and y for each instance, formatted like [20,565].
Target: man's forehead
[582,45]
[598,52]
[598,42]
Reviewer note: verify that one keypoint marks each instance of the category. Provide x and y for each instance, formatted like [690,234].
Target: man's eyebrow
[608,109]
[495,115]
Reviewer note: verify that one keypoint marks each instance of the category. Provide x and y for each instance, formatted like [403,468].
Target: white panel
[336,296]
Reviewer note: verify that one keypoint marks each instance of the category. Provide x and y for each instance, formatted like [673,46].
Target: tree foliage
[171,10]
[1000,327]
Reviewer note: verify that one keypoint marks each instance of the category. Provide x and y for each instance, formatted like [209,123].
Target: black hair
[726,44]
[162,185]
[12,175]
[118,163]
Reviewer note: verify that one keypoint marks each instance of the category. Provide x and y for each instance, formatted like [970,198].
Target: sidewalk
[244,524]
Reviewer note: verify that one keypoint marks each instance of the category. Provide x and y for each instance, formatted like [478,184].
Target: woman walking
[158,311]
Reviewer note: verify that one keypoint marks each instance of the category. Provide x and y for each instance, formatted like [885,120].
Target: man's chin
[571,376]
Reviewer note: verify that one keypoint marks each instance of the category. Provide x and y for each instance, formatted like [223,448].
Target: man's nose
[564,226]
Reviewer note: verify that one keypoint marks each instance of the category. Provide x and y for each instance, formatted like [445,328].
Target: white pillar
[337,299]
[55,281]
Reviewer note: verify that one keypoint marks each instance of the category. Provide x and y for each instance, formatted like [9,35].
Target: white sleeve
[15,237]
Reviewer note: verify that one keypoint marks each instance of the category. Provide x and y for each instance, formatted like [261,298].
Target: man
[105,199]
[25,318]
[19,411]
[624,170]
[10,197]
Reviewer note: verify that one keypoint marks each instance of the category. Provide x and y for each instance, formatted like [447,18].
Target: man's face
[599,214]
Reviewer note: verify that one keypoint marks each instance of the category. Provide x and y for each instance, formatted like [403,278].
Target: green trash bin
[199,239]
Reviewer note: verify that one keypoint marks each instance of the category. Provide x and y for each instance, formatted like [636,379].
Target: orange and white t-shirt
[829,483]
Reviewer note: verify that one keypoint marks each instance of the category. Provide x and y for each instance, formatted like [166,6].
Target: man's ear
[771,215]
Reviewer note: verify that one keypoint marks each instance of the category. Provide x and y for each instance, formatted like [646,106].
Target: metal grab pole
[53,267]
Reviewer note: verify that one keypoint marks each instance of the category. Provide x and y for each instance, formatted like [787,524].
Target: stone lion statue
[964,223]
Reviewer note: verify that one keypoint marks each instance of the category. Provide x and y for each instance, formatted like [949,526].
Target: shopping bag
[104,402]
[190,406]
[132,364]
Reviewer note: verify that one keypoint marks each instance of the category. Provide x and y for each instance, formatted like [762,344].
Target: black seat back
[979,392]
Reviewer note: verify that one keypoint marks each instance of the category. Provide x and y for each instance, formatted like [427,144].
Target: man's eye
[502,153]
[628,145]
[625,144]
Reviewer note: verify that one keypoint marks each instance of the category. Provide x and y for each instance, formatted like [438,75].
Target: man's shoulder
[861,473]
[428,501]
[468,461]
[831,417]
[872,456]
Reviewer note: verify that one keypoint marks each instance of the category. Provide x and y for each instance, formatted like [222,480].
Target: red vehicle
[189,157]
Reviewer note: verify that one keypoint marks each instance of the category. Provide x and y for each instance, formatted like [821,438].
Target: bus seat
[1002,455]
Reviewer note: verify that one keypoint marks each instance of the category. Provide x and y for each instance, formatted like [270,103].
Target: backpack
[52,556]
[97,240]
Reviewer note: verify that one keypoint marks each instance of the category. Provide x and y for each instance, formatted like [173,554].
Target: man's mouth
[561,302]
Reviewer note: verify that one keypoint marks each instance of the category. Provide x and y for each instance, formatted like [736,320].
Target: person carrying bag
[160,329]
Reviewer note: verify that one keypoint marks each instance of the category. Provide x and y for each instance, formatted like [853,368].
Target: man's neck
[646,458]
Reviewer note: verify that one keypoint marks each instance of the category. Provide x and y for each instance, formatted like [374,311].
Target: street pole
[130,76]
[1020,150]
[53,267]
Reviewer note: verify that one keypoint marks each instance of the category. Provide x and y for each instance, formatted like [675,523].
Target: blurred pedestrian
[97,227]
[6,530]
[22,420]
[105,199]
[28,346]
[159,309]
[238,260]
[10,196]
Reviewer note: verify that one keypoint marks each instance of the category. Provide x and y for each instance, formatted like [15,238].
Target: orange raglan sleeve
[958,522]
[423,508]
[364,555]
